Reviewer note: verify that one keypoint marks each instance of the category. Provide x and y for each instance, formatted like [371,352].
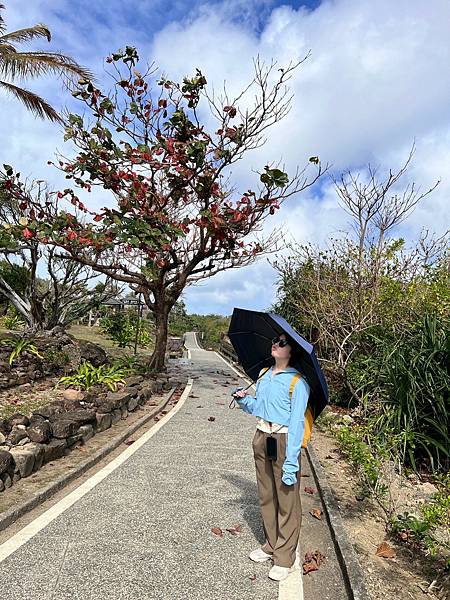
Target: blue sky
[377,80]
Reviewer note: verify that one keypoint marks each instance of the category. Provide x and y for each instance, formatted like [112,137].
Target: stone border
[11,515]
[351,569]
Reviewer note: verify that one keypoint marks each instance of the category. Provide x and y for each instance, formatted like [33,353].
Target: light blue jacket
[272,403]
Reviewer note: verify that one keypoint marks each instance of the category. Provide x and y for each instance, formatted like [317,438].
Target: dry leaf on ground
[217,531]
[211,418]
[312,561]
[235,530]
[309,490]
[385,550]
[316,512]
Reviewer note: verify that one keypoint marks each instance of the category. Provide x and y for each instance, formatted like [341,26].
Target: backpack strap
[309,417]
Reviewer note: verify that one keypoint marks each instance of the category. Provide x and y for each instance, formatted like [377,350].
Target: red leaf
[253,577]
[129,442]
[217,531]
[309,490]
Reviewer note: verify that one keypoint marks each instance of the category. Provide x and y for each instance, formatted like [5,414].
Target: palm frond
[27,34]
[35,64]
[34,103]
[2,21]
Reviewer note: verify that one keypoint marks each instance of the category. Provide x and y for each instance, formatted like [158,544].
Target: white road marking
[292,587]
[25,534]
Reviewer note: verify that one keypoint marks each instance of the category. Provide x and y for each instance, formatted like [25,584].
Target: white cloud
[377,79]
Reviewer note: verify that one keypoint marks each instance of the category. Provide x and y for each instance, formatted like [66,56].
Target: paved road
[144,531]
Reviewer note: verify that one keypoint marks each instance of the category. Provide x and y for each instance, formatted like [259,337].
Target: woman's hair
[294,350]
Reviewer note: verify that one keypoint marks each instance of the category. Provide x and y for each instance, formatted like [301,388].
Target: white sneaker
[279,573]
[259,555]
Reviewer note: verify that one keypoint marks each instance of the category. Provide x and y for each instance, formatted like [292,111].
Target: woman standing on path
[276,448]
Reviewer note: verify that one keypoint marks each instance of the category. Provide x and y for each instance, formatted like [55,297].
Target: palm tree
[16,66]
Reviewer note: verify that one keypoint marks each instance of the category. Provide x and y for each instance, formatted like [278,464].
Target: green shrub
[121,328]
[414,385]
[87,376]
[20,345]
[12,322]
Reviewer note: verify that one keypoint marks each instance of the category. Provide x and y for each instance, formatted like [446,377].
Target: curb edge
[351,569]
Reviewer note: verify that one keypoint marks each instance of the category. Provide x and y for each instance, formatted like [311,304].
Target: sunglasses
[281,343]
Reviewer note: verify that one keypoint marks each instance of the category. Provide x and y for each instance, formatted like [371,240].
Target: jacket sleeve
[247,403]
[296,430]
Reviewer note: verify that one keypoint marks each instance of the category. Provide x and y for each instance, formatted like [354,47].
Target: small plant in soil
[86,376]
[20,346]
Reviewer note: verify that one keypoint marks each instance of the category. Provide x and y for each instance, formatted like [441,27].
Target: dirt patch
[404,577]
[28,397]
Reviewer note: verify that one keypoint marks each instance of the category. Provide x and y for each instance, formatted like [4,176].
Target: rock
[6,478]
[92,353]
[86,431]
[5,427]
[39,453]
[6,461]
[145,394]
[17,433]
[132,404]
[24,387]
[2,438]
[24,460]
[80,416]
[24,441]
[116,415]
[39,431]
[50,411]
[124,411]
[73,395]
[54,450]
[73,439]
[16,477]
[119,399]
[134,380]
[2,486]
[103,421]
[133,391]
[64,428]
[19,419]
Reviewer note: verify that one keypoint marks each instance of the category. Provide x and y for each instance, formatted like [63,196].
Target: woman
[283,420]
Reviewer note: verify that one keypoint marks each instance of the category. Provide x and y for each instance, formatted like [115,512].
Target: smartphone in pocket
[271,448]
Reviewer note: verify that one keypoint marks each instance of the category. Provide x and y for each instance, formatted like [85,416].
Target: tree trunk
[157,360]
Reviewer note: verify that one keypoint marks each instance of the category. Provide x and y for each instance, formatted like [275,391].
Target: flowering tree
[176,219]
[67,294]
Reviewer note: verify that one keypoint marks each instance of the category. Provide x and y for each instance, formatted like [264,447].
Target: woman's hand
[239,393]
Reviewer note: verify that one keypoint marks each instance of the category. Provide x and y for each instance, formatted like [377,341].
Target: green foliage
[353,443]
[413,379]
[12,321]
[121,328]
[213,327]
[431,529]
[16,276]
[20,345]
[59,358]
[87,376]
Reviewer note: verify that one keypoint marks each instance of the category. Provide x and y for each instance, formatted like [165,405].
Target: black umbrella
[251,333]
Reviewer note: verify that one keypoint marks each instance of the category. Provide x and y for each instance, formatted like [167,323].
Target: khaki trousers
[280,504]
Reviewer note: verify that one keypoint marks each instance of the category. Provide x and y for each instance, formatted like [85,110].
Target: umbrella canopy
[251,333]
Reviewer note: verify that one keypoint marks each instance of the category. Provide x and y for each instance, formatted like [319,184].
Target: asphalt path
[142,527]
